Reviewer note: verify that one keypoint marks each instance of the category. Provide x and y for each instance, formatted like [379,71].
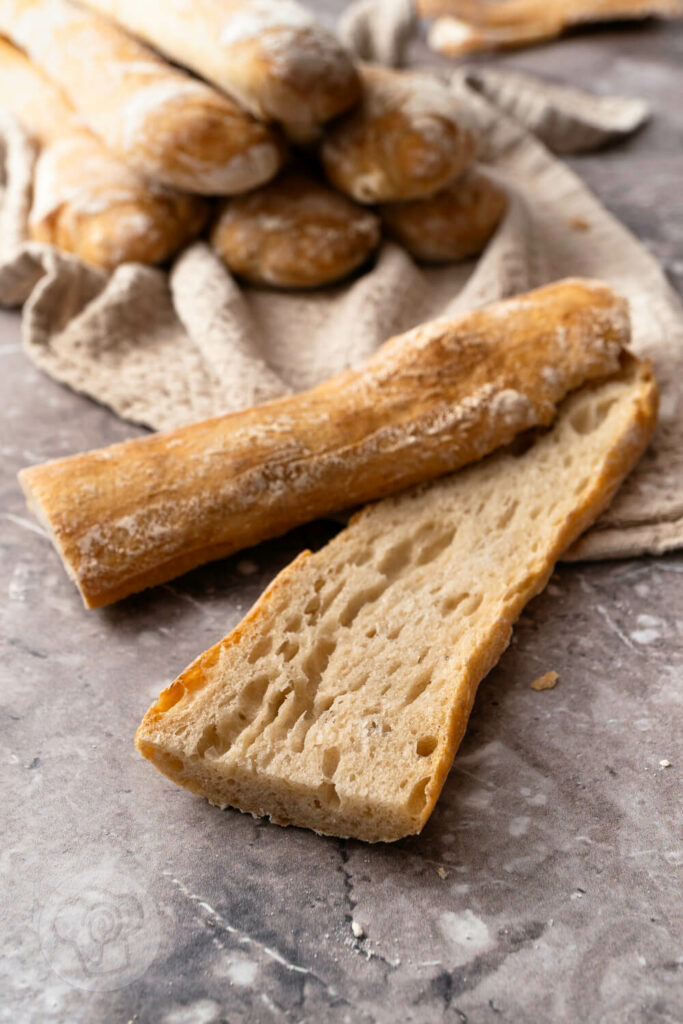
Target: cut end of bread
[339,702]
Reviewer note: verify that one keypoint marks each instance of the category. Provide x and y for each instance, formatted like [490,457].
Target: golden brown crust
[454,224]
[88,204]
[271,55]
[502,13]
[294,233]
[163,123]
[85,200]
[406,140]
[469,26]
[130,516]
[339,702]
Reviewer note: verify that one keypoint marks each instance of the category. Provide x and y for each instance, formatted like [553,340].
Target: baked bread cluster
[492,439]
[152,123]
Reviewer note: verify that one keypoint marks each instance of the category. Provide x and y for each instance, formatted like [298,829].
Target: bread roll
[407,139]
[294,233]
[85,200]
[340,700]
[271,55]
[429,401]
[159,120]
[455,223]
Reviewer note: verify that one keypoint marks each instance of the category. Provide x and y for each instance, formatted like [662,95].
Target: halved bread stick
[470,26]
[85,200]
[445,394]
[160,121]
[339,702]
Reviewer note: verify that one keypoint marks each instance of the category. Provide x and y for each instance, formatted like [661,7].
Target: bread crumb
[357,930]
[664,763]
[579,224]
[442,873]
[546,682]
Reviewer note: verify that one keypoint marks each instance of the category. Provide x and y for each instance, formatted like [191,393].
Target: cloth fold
[166,348]
[378,30]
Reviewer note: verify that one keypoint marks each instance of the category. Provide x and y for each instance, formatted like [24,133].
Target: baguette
[85,200]
[470,26]
[271,55]
[406,140]
[294,233]
[454,224]
[160,121]
[429,401]
[340,700]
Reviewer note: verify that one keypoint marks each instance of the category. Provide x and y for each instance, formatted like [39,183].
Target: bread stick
[454,224]
[85,200]
[294,233]
[407,139]
[271,55]
[470,26]
[429,401]
[340,700]
[161,122]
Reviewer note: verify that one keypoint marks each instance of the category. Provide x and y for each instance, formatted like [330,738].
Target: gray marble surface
[544,887]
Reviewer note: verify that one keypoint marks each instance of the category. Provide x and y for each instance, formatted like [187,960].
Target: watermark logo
[99,930]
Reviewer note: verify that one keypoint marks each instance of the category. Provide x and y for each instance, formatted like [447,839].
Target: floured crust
[431,400]
[85,200]
[163,123]
[88,203]
[271,55]
[339,702]
[406,140]
[454,224]
[294,233]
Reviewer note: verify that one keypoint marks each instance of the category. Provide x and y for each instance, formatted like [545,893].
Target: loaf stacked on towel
[408,146]
[85,200]
[132,124]
[408,150]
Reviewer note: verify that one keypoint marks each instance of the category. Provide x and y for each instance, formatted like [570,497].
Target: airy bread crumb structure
[340,700]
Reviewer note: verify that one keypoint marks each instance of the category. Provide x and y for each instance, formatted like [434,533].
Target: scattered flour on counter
[242,972]
[465,931]
[645,636]
[203,1011]
[518,826]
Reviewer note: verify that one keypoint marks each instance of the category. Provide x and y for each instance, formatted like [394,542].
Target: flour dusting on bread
[425,404]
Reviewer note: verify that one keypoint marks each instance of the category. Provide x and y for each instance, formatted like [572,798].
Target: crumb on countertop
[665,763]
[441,872]
[357,930]
[545,682]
